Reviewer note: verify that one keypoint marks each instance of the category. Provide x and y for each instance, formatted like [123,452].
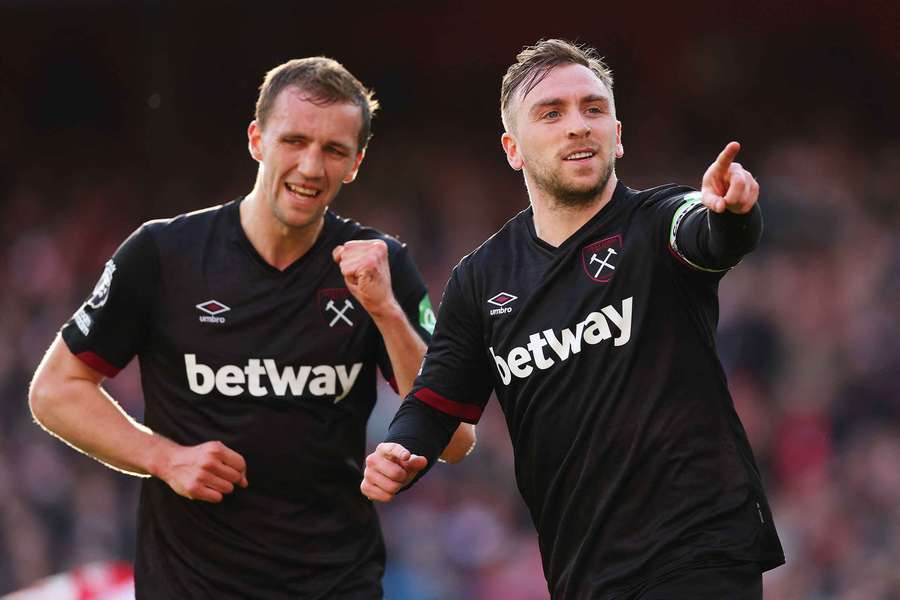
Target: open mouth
[301,191]
[580,155]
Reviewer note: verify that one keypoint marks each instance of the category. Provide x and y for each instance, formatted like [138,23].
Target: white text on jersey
[592,330]
[230,380]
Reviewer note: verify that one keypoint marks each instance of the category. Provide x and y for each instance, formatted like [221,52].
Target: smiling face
[306,150]
[564,135]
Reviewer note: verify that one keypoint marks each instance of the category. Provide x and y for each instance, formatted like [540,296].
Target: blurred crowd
[808,330]
[808,334]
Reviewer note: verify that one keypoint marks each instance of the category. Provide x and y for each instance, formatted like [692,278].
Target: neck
[278,244]
[555,222]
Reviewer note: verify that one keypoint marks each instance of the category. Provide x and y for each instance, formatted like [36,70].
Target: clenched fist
[204,472]
[367,272]
[388,470]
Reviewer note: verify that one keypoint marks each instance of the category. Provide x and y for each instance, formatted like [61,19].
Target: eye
[552,114]
[336,151]
[595,110]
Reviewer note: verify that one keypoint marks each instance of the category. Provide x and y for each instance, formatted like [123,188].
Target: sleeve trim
[465,412]
[691,202]
[98,363]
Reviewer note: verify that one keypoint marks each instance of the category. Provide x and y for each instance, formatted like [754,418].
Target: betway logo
[522,360]
[232,380]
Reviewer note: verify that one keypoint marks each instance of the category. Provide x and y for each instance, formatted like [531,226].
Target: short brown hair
[534,63]
[326,80]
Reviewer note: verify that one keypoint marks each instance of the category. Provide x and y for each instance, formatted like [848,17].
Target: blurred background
[115,113]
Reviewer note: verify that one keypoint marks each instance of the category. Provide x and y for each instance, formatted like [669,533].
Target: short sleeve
[111,327]
[454,378]
[410,291]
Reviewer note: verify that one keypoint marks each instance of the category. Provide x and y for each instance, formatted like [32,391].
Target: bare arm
[406,348]
[66,399]
[366,270]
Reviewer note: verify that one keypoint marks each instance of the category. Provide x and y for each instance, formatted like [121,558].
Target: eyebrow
[590,98]
[594,98]
[300,136]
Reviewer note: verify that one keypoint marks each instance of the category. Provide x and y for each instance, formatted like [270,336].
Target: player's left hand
[367,272]
[727,185]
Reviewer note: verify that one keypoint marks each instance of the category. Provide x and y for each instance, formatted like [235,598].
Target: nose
[310,164]
[578,127]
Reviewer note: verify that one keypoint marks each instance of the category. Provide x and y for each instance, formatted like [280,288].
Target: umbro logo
[500,301]
[212,308]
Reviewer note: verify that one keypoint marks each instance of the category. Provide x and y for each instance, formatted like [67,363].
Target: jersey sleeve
[111,327]
[412,295]
[455,378]
[702,241]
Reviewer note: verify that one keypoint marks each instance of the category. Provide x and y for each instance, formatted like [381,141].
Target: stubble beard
[567,196]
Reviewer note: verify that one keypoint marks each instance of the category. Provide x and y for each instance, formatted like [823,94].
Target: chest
[248,330]
[551,305]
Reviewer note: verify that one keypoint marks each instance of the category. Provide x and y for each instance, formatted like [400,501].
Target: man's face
[565,136]
[306,152]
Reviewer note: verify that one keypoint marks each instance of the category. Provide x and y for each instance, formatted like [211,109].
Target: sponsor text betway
[522,360]
[234,380]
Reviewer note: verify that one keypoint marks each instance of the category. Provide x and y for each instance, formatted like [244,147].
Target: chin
[298,218]
[584,188]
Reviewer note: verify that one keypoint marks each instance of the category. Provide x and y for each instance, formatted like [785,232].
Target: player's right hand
[204,472]
[727,185]
[388,470]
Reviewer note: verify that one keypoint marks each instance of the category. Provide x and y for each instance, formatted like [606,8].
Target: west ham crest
[338,308]
[600,259]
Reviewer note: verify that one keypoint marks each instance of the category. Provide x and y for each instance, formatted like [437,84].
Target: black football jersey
[278,365]
[628,450]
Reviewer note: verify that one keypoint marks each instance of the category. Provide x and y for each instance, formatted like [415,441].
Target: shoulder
[348,229]
[499,249]
[187,227]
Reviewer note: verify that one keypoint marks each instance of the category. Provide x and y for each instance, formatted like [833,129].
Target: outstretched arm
[66,399]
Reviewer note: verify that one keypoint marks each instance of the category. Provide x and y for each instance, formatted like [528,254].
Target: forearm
[83,415]
[422,429]
[719,241]
[404,346]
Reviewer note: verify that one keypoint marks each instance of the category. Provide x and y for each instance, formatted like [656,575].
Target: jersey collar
[609,209]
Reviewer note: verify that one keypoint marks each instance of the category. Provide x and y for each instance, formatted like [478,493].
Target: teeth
[578,155]
[303,191]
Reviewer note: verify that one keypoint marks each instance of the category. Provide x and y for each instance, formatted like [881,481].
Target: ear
[254,137]
[620,149]
[511,148]
[351,176]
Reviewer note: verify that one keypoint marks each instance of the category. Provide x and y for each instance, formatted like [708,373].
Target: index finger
[726,156]
[394,452]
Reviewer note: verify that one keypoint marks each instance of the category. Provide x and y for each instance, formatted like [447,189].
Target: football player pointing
[628,451]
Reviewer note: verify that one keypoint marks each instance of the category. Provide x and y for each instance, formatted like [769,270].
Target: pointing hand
[727,185]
